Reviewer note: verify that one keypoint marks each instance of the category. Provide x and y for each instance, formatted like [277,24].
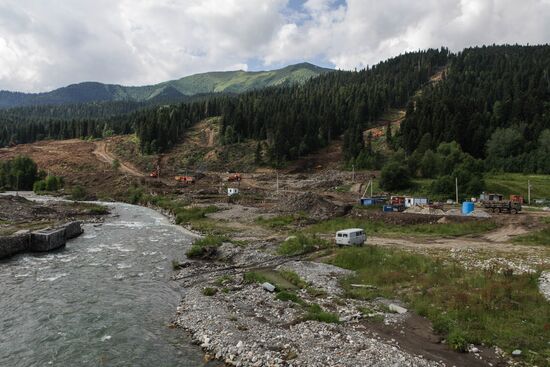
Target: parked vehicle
[351,237]
[497,204]
[398,203]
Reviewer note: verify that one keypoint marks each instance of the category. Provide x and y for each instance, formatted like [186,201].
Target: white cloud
[47,44]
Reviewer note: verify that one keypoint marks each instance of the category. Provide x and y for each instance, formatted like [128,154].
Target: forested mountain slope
[492,104]
[495,102]
[175,90]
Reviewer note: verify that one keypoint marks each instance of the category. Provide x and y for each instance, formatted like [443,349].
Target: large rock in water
[47,239]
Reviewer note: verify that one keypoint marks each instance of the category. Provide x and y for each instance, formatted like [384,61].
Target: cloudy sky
[45,44]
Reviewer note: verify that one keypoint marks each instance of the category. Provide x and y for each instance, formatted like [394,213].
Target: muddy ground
[18,213]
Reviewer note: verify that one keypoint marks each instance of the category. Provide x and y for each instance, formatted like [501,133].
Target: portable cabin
[232,191]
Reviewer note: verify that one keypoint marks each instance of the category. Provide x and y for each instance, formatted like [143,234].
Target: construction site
[262,224]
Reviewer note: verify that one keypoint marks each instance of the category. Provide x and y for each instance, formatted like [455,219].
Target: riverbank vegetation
[467,306]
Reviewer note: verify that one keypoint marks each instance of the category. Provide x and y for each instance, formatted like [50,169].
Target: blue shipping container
[388,208]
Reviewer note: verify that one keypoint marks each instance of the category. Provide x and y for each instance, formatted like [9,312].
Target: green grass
[373,227]
[301,244]
[280,221]
[503,183]
[538,238]
[467,306]
[293,278]
[516,183]
[254,277]
[316,313]
[204,246]
[289,296]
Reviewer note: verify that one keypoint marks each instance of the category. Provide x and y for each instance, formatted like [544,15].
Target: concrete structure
[72,230]
[47,239]
[38,241]
[14,244]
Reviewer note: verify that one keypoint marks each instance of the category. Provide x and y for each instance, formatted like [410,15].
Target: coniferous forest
[494,102]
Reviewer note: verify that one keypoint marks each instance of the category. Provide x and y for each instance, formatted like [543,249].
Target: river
[106,299]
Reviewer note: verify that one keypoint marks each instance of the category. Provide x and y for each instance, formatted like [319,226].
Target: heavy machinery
[497,204]
[398,203]
[155,173]
[186,180]
[234,177]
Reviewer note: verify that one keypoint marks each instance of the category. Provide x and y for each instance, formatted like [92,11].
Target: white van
[351,237]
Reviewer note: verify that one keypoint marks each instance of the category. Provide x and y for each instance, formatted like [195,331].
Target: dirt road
[103,154]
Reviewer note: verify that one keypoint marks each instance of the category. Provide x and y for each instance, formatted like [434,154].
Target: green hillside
[213,82]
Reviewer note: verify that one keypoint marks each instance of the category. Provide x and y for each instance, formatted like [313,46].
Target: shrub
[209,291]
[78,193]
[39,186]
[457,340]
[205,247]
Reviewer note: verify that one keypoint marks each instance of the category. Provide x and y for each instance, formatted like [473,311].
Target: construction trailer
[411,201]
[232,191]
[375,200]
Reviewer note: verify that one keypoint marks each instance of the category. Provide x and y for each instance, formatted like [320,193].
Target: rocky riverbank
[235,320]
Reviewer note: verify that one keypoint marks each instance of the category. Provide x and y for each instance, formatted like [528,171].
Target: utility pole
[529,191]
[456,188]
[371,185]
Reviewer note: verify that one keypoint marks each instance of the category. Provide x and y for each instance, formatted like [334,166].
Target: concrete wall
[72,230]
[39,241]
[47,239]
[14,244]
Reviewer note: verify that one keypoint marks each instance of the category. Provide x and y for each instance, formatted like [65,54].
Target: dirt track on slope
[103,154]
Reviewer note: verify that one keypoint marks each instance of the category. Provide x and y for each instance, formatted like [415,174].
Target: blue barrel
[467,207]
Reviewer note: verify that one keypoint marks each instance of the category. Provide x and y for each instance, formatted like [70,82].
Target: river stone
[516,353]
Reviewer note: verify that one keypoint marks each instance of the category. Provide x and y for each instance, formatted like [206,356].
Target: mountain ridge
[236,81]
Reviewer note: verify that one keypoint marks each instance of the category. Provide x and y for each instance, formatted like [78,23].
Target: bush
[209,291]
[39,186]
[301,244]
[78,193]
[205,247]
[457,340]
[395,176]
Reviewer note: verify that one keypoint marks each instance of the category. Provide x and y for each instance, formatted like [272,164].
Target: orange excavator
[186,180]
[234,177]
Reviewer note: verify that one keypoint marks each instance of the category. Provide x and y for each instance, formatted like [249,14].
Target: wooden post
[529,191]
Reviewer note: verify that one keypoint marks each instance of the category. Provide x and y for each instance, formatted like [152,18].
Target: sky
[46,44]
